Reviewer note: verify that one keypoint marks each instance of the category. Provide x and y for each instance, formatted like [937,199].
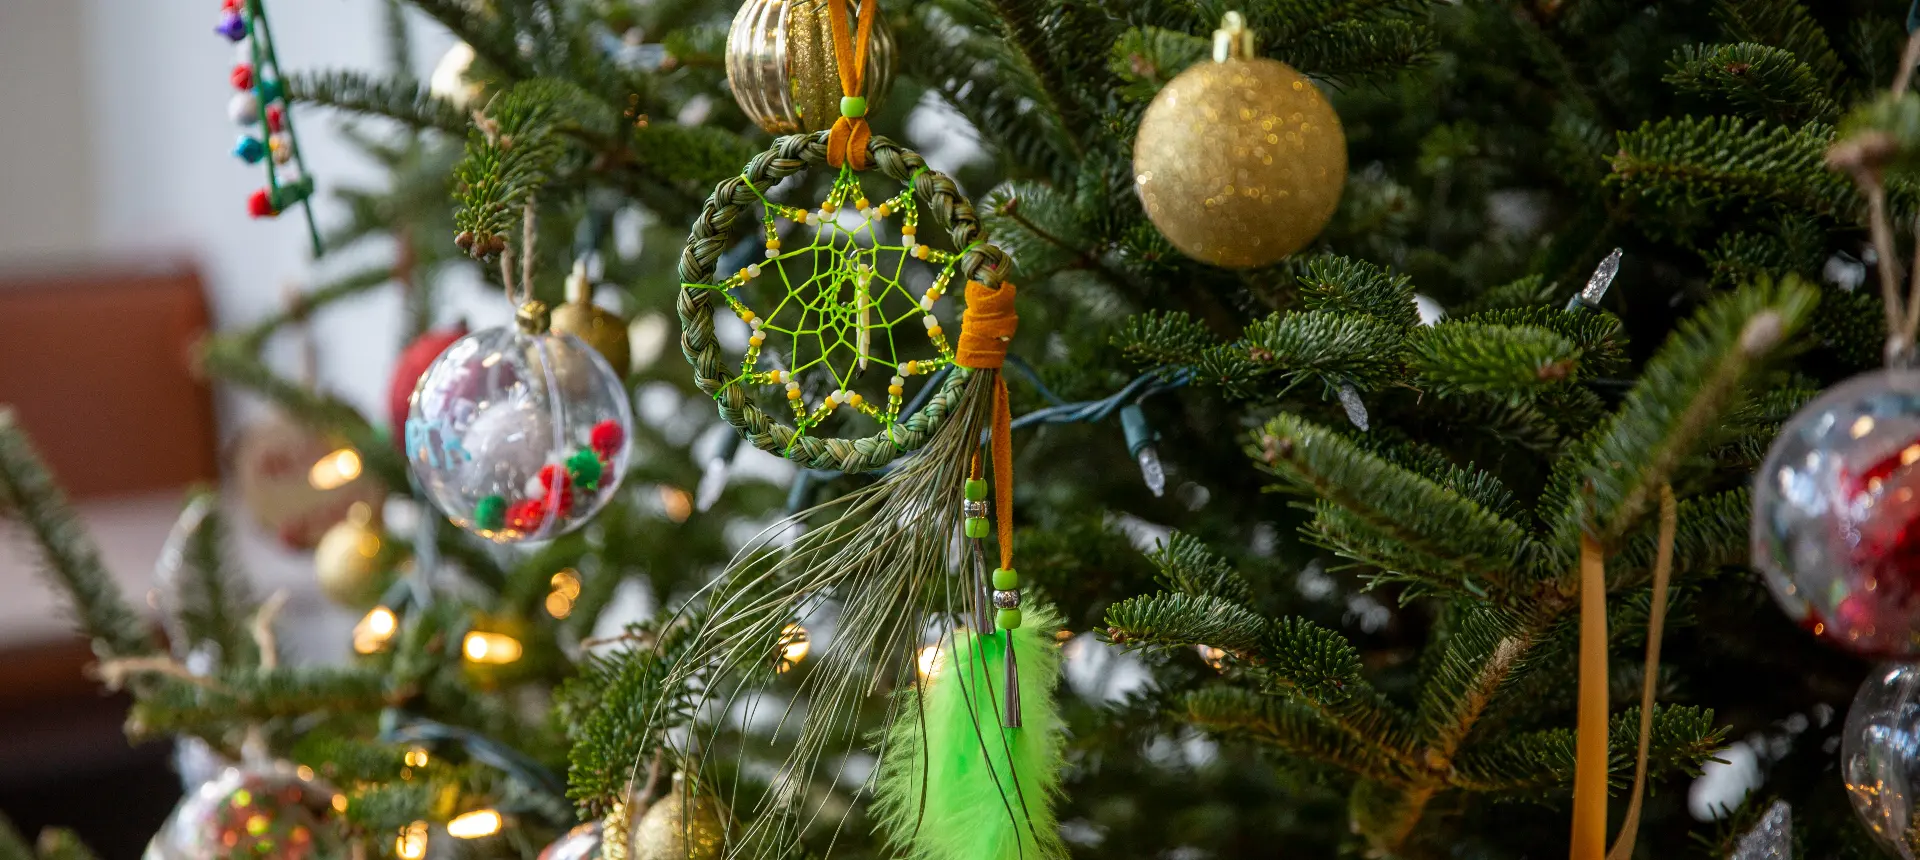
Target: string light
[566,589]
[1215,657]
[795,642]
[412,843]
[678,503]
[304,772]
[417,757]
[929,660]
[339,803]
[494,648]
[335,470]
[475,824]
[375,630]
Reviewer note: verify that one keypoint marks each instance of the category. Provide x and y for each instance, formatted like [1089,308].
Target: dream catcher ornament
[848,365]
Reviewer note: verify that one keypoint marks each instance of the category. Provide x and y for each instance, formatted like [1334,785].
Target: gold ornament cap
[1233,41]
[533,317]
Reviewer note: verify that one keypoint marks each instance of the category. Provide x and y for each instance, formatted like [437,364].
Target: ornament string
[847,141]
[1591,763]
[1863,156]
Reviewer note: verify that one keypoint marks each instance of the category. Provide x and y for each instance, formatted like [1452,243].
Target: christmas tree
[1346,515]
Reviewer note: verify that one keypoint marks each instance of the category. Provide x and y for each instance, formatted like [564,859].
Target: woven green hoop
[733,199]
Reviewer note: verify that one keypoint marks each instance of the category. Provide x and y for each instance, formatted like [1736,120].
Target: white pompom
[244,108]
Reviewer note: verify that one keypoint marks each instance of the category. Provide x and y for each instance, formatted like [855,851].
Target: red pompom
[607,438]
[550,473]
[242,77]
[230,5]
[526,515]
[560,502]
[276,118]
[260,205]
[412,363]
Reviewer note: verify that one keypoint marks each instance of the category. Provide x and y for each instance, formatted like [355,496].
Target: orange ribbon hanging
[847,142]
[985,328]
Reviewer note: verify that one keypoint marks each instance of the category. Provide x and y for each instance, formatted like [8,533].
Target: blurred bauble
[784,71]
[259,812]
[407,370]
[1239,160]
[296,482]
[1880,756]
[450,80]
[580,843]
[355,560]
[519,433]
[682,825]
[602,329]
[1836,515]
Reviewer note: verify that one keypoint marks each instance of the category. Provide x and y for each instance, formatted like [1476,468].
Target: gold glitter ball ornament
[783,70]
[602,329]
[355,561]
[1239,161]
[686,824]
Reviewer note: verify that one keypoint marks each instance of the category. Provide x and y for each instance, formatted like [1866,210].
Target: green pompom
[976,490]
[1007,619]
[977,527]
[489,513]
[853,106]
[584,467]
[1006,579]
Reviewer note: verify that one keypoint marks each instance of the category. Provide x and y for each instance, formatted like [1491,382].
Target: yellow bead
[908,230]
[773,244]
[861,203]
[934,332]
[855,399]
[830,403]
[793,394]
[912,368]
[884,211]
[746,316]
[799,216]
[828,206]
[757,339]
[894,390]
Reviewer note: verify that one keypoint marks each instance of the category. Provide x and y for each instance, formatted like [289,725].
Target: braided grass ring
[837,298]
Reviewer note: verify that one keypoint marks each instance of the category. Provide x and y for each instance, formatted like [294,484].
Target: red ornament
[526,515]
[276,118]
[413,362]
[559,502]
[230,5]
[551,473]
[606,439]
[260,205]
[242,77]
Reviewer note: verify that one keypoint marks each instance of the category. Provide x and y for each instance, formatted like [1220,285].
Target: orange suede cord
[985,328]
[1590,733]
[847,142]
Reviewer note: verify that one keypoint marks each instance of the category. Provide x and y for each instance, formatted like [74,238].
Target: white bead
[896,381]
[824,216]
[792,386]
[755,324]
[929,321]
[244,108]
[780,375]
[772,253]
[753,271]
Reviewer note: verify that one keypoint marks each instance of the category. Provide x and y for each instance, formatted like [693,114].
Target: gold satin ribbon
[847,141]
[1590,743]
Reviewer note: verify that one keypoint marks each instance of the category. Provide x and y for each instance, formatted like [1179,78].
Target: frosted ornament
[1836,515]
[518,433]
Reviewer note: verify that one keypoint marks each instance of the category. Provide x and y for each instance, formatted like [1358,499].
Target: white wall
[47,192]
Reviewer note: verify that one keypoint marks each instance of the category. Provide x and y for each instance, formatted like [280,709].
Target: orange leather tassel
[1590,740]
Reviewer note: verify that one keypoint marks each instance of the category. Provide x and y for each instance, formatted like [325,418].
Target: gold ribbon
[1590,744]
[847,141]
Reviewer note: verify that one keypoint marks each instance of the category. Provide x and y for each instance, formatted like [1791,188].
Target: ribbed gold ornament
[782,67]
[602,329]
[686,824]
[1239,161]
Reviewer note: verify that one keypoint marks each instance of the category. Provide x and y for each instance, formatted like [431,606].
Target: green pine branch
[1784,24]
[215,604]
[230,360]
[1523,766]
[1185,564]
[1291,728]
[68,557]
[1453,358]
[1757,81]
[401,99]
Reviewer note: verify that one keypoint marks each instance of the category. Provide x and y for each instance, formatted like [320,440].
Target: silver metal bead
[973,509]
[1006,600]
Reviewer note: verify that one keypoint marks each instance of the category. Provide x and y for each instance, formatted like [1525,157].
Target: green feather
[954,784]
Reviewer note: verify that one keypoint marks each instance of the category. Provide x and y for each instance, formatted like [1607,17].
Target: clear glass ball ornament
[518,436]
[1880,756]
[1836,515]
[271,811]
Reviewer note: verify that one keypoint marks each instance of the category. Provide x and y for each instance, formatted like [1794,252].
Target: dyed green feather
[954,784]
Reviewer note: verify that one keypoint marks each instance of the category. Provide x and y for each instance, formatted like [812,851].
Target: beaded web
[838,302]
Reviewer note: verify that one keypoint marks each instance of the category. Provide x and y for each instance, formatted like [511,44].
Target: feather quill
[956,785]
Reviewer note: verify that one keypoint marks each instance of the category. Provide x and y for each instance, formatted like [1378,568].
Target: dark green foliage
[12,846]
[1691,170]
[1755,80]
[215,605]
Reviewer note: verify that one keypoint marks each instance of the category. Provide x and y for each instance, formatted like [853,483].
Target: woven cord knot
[847,141]
[986,326]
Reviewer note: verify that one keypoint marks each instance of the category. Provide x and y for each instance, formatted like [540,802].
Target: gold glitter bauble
[602,329]
[783,70]
[1239,161]
[354,561]
[683,825]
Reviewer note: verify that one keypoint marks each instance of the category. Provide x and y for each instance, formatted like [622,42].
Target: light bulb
[412,842]
[795,642]
[375,630]
[929,660]
[335,470]
[495,648]
[475,824]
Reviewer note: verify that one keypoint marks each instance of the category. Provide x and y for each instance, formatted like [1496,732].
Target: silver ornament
[1880,756]
[1770,839]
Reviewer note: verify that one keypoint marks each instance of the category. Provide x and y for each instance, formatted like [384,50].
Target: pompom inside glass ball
[1836,516]
[267,811]
[1880,755]
[519,437]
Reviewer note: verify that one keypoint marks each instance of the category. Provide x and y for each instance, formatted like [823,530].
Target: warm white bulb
[481,647]
[929,661]
[412,843]
[795,642]
[475,824]
[375,630]
[335,470]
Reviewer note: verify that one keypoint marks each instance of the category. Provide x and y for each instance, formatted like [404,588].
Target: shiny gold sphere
[683,825]
[784,72]
[354,561]
[1240,162]
[602,329]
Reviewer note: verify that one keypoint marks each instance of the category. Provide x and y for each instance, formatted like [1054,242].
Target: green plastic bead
[977,527]
[1006,579]
[853,106]
[584,467]
[976,490]
[1007,619]
[489,513]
